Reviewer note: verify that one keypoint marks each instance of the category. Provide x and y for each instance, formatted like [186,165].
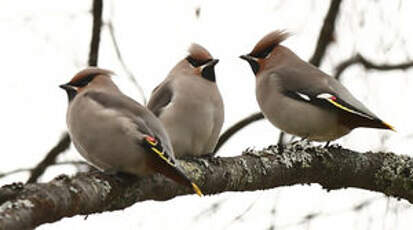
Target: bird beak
[253,61]
[210,64]
[248,58]
[213,62]
[68,87]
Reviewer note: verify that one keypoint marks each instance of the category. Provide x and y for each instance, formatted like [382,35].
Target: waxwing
[114,132]
[300,99]
[189,104]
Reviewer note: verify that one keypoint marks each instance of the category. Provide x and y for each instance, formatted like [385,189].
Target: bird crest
[88,73]
[269,42]
[198,55]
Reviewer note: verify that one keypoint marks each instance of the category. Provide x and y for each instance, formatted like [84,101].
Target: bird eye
[197,63]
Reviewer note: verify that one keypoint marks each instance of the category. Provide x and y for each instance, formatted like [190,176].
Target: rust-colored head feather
[89,72]
[199,53]
[270,41]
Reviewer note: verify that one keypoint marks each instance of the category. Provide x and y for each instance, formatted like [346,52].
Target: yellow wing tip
[389,126]
[197,190]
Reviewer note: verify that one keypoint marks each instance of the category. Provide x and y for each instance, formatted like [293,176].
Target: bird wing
[154,138]
[322,91]
[161,97]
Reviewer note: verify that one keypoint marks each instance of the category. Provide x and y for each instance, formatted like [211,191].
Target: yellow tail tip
[196,189]
[389,126]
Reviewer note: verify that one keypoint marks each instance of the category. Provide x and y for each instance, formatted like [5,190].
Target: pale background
[44,43]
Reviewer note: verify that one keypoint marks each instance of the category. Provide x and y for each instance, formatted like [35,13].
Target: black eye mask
[264,53]
[197,63]
[84,81]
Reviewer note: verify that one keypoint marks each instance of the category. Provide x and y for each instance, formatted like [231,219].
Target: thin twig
[367,64]
[9,173]
[122,62]
[50,158]
[97,26]
[237,127]
[327,33]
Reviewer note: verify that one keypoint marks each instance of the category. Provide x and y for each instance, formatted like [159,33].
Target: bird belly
[304,119]
[190,134]
[105,143]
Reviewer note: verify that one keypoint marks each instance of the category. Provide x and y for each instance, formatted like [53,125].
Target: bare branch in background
[122,62]
[237,127]
[94,192]
[198,12]
[64,142]
[97,9]
[50,158]
[327,33]
[73,163]
[317,215]
[367,64]
[240,216]
[324,39]
[210,210]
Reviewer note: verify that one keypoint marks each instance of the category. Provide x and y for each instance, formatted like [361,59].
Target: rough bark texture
[27,206]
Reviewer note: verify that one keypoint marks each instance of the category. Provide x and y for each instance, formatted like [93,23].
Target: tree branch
[359,59]
[324,39]
[97,9]
[275,166]
[327,33]
[50,158]
[122,62]
[237,127]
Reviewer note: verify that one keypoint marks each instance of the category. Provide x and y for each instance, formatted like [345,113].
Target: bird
[302,100]
[189,104]
[115,133]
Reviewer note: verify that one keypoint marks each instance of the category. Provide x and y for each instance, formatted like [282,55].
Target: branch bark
[367,64]
[275,166]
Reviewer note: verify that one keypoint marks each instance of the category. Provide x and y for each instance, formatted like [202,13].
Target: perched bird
[302,100]
[114,132]
[189,104]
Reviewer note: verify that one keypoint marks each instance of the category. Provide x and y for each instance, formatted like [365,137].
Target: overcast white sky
[44,43]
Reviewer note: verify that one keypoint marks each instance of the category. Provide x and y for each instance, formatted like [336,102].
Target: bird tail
[166,165]
[385,125]
[376,123]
